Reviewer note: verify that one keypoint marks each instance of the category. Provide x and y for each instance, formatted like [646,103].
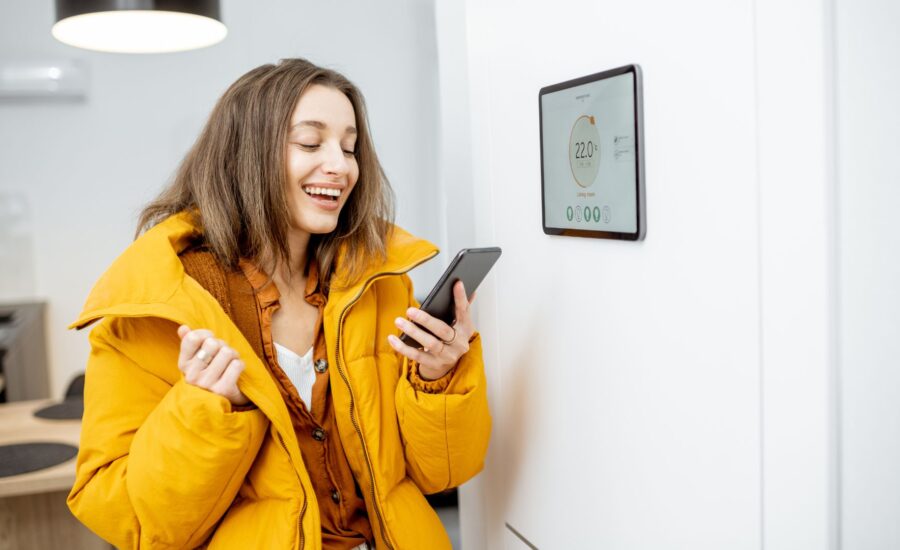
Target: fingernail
[412,312]
[399,321]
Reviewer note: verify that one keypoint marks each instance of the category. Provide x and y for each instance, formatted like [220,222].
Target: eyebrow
[320,126]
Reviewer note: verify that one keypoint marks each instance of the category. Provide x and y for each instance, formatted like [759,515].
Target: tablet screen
[591,149]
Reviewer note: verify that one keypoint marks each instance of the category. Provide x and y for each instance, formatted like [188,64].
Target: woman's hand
[444,345]
[209,364]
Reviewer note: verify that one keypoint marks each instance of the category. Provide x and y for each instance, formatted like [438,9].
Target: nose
[335,161]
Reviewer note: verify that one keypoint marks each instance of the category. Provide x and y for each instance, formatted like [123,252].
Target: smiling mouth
[323,193]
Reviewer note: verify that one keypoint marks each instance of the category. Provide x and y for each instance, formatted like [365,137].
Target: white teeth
[323,191]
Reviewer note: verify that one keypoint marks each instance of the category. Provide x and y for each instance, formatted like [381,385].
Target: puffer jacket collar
[149,279]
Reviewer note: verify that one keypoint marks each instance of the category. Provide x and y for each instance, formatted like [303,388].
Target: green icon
[587,213]
[597,213]
[569,213]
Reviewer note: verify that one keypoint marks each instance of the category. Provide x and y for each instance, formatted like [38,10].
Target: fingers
[436,351]
[462,328]
[227,383]
[208,363]
[462,303]
[435,326]
[443,344]
[427,339]
[209,376]
[410,352]
[191,340]
[202,359]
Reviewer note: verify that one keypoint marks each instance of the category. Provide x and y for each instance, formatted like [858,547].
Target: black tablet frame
[640,207]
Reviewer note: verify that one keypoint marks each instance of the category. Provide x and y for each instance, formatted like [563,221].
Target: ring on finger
[203,356]
[450,341]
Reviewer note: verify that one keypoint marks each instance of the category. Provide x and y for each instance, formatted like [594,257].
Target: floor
[446,504]
[450,517]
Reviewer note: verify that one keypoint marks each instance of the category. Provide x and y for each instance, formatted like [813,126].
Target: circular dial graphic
[584,151]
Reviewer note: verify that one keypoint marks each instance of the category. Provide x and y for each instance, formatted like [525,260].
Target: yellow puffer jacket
[164,464]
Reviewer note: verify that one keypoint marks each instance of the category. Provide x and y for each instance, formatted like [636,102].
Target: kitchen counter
[33,511]
[19,425]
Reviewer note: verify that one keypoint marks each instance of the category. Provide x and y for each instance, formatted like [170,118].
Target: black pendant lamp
[139,26]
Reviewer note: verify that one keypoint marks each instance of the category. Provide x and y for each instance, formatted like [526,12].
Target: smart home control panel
[592,165]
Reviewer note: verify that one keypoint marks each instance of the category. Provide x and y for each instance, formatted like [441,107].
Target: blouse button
[335,496]
[318,434]
[321,365]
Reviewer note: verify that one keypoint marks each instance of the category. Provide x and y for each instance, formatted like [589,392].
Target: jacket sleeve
[160,461]
[446,433]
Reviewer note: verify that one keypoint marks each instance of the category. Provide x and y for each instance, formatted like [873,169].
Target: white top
[299,370]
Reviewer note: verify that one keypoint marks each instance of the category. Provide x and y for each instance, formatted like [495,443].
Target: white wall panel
[627,409]
[797,266]
[868,119]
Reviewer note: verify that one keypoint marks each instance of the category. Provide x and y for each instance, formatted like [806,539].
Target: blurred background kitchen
[730,382]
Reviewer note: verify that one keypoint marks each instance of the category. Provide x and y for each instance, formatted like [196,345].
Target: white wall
[627,375]
[728,382]
[797,265]
[868,119]
[86,168]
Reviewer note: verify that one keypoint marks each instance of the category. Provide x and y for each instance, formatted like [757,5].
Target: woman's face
[321,164]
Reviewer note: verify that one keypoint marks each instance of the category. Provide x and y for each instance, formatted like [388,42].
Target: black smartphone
[470,266]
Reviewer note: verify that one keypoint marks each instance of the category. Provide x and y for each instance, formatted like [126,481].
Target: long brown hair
[233,179]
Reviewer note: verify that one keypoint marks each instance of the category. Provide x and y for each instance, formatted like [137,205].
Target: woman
[246,387]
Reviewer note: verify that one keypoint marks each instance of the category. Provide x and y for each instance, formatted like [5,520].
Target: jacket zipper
[337,355]
[303,508]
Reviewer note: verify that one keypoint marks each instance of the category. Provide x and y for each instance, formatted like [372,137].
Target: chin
[322,231]
[320,228]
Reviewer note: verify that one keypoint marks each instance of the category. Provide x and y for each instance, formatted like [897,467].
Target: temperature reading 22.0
[584,150]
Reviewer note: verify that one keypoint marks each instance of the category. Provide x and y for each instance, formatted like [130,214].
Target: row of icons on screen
[588,214]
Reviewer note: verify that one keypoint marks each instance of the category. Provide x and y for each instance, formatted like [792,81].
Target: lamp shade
[138,26]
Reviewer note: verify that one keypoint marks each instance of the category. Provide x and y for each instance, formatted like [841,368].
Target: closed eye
[315,147]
